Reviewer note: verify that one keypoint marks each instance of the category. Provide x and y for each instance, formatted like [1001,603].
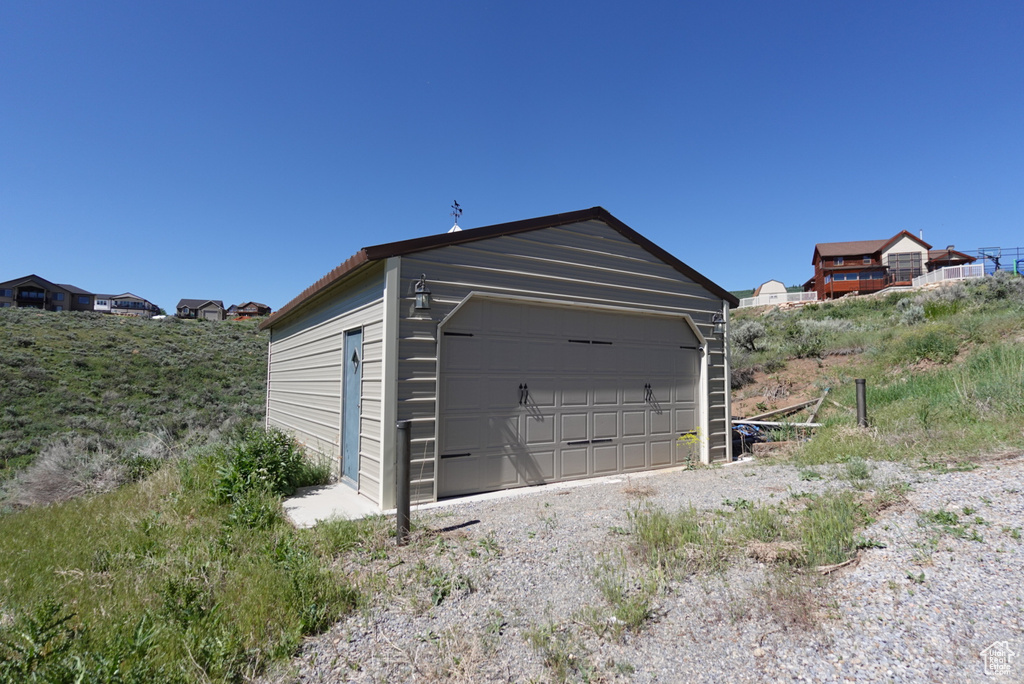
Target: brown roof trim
[935,254]
[403,247]
[351,264]
[901,234]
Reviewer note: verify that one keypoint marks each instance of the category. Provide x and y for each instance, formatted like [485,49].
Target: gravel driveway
[487,581]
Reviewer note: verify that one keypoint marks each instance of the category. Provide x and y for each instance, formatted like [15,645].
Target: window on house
[83,300]
[4,305]
[905,265]
[58,308]
[58,296]
[867,260]
[5,293]
[838,261]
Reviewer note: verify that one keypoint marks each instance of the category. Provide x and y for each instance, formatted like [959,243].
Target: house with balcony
[34,292]
[129,304]
[247,310]
[866,266]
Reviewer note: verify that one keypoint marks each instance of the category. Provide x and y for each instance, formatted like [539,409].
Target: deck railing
[769,299]
[951,273]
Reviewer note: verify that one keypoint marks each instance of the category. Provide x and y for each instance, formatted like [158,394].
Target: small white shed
[556,348]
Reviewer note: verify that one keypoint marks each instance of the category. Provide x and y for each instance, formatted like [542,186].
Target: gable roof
[24,279]
[199,303]
[376,253]
[949,253]
[861,247]
[74,290]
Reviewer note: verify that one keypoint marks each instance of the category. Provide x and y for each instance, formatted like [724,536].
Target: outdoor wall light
[422,294]
[719,322]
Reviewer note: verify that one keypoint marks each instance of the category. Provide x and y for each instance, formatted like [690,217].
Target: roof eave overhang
[318,290]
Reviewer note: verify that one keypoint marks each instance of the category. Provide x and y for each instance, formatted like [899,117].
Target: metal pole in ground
[402,483]
[862,409]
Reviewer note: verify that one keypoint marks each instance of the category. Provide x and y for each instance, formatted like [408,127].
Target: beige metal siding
[305,372]
[586,262]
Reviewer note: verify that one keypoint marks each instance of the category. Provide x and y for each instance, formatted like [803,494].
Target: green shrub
[262,459]
[747,334]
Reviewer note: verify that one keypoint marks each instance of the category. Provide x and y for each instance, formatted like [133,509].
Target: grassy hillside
[944,369]
[101,381]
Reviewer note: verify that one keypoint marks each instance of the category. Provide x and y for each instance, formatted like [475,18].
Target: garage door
[530,393]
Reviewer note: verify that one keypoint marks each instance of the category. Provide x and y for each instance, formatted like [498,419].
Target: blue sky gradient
[239,151]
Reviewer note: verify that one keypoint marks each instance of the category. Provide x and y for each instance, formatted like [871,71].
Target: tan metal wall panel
[586,262]
[304,379]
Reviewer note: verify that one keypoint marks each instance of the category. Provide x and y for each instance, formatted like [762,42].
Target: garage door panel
[605,359]
[541,392]
[634,392]
[632,360]
[661,453]
[574,358]
[504,355]
[574,393]
[459,476]
[463,393]
[686,419]
[539,466]
[546,319]
[463,353]
[543,356]
[503,317]
[606,391]
[661,422]
[462,434]
[606,425]
[573,463]
[574,427]
[634,456]
[634,423]
[606,459]
[498,471]
[501,431]
[574,323]
[540,428]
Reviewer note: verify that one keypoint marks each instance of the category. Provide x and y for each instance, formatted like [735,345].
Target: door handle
[648,392]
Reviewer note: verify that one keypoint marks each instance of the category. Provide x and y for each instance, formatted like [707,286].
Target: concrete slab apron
[311,505]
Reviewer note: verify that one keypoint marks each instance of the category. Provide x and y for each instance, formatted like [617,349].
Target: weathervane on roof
[456,212]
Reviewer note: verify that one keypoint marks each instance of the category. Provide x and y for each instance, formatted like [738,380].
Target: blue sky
[239,151]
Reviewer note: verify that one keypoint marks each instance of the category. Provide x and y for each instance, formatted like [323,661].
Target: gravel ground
[921,609]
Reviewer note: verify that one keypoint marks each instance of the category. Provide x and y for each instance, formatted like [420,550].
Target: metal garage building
[556,348]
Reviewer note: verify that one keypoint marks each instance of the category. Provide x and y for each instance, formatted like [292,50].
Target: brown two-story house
[865,266]
[33,292]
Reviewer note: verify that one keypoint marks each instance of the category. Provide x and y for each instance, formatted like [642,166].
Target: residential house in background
[247,310]
[203,309]
[865,266]
[34,292]
[128,304]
